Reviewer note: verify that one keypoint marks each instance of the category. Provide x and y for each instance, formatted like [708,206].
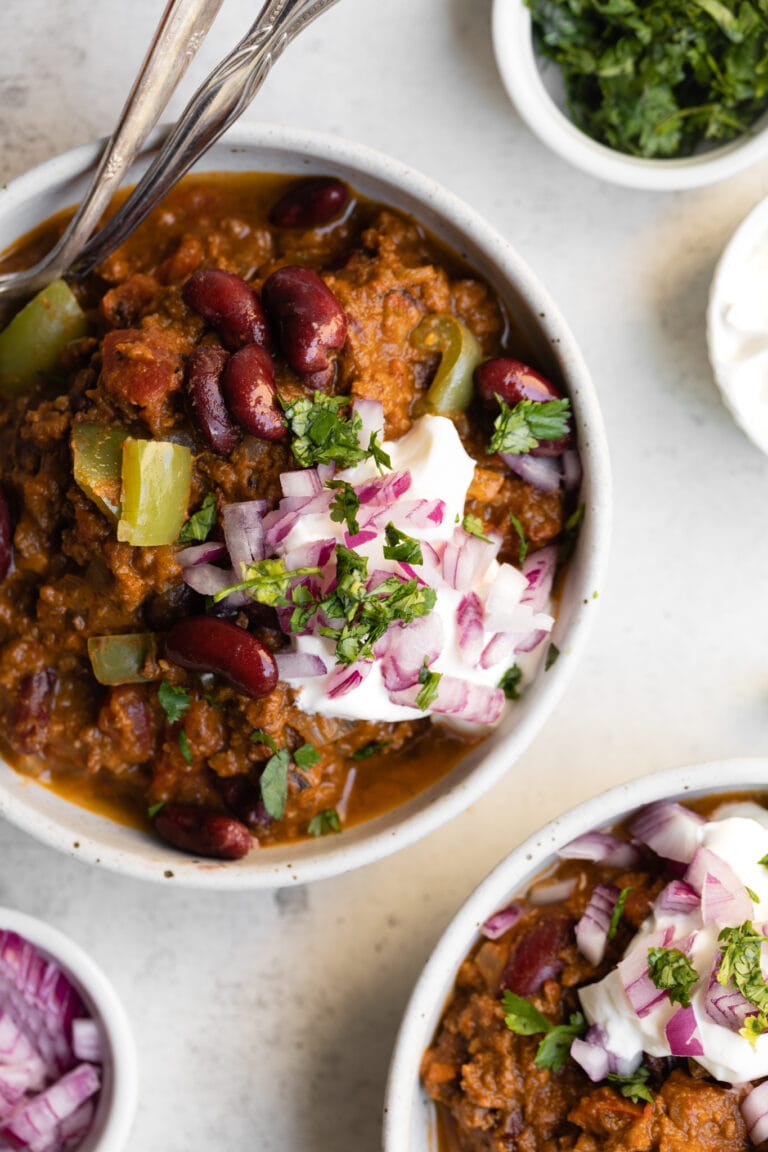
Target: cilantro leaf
[267,581]
[321,435]
[345,505]
[174,700]
[671,971]
[324,822]
[475,527]
[520,428]
[184,748]
[430,682]
[510,682]
[380,458]
[522,547]
[153,809]
[274,783]
[553,652]
[524,1018]
[633,1085]
[369,749]
[262,737]
[618,912]
[399,546]
[305,756]
[201,522]
[740,964]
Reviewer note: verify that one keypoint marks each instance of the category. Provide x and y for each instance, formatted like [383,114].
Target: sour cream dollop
[440,472]
[737,838]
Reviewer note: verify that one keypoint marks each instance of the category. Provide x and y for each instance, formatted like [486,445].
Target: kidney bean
[6,536]
[229,304]
[31,714]
[514,381]
[310,321]
[243,797]
[310,204]
[207,644]
[248,384]
[209,412]
[202,831]
[534,955]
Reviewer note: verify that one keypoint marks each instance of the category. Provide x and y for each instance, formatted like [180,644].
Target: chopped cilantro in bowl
[643,93]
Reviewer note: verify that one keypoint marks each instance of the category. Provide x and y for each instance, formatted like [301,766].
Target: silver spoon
[181,31]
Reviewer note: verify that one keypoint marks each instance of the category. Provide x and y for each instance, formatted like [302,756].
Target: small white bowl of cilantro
[658,94]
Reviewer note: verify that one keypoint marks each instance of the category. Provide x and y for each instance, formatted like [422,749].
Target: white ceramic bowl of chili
[409,1116]
[94,838]
[116,1101]
[536,89]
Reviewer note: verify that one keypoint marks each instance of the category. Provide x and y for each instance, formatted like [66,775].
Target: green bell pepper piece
[156,482]
[34,340]
[451,389]
[97,453]
[120,659]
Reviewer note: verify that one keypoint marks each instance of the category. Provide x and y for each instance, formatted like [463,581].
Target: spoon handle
[215,107]
[182,29]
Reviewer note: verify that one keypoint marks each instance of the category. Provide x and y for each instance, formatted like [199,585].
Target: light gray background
[266,1021]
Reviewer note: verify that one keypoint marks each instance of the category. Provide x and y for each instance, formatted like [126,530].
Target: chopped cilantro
[184,747]
[764,861]
[153,809]
[429,684]
[267,581]
[570,535]
[305,756]
[752,895]
[633,1085]
[475,527]
[522,547]
[510,682]
[520,428]
[753,1027]
[552,654]
[524,1019]
[274,783]
[369,749]
[401,547]
[345,505]
[174,700]
[200,523]
[324,822]
[740,967]
[618,912]
[262,737]
[671,971]
[322,436]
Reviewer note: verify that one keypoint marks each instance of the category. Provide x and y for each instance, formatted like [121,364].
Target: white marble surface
[266,1021]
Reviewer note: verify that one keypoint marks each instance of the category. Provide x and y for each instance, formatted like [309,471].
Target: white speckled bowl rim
[116,1106]
[93,838]
[409,1118]
[522,77]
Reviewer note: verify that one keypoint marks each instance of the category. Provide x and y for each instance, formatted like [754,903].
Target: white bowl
[536,89]
[117,1100]
[409,1119]
[91,837]
[737,325]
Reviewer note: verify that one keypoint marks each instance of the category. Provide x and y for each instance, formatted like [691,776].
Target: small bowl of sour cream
[737,325]
[608,971]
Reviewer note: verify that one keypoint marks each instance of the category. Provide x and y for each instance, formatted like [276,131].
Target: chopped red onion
[345,677]
[532,640]
[384,489]
[405,649]
[754,1109]
[499,650]
[641,992]
[539,570]
[467,558]
[343,805]
[722,904]
[592,1058]
[462,699]
[469,625]
[207,579]
[592,928]
[36,1117]
[602,848]
[326,472]
[299,665]
[360,538]
[407,515]
[244,533]
[304,482]
[677,897]
[503,612]
[683,1034]
[201,554]
[314,554]
[725,1005]
[552,891]
[542,472]
[572,469]
[86,1040]
[411,573]
[706,862]
[496,925]
[669,829]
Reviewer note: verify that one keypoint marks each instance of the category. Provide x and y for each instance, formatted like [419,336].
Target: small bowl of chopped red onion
[67,1061]
[607,977]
